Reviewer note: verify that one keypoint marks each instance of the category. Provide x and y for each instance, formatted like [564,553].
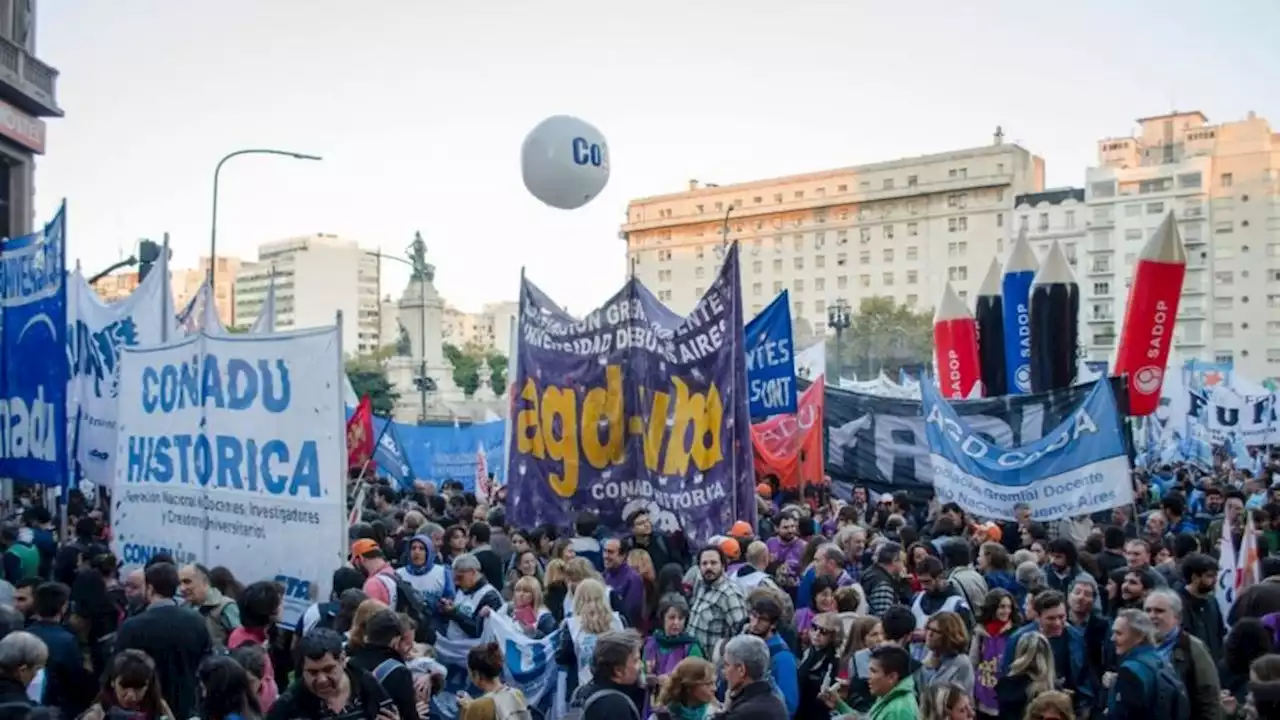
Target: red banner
[790,446]
[360,435]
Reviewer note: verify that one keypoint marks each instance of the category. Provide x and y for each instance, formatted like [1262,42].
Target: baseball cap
[741,529]
[764,490]
[730,548]
[363,547]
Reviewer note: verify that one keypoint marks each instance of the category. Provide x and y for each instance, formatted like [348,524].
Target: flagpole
[361,482]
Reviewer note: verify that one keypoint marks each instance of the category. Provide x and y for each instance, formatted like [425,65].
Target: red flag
[955,347]
[1151,315]
[790,446]
[360,435]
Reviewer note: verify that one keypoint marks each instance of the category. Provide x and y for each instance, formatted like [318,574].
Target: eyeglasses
[824,631]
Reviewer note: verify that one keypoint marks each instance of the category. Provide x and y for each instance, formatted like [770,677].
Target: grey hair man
[746,669]
[615,674]
[1187,653]
[22,656]
[472,602]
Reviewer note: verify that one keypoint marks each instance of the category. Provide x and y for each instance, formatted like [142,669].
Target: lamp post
[840,317]
[217,170]
[423,382]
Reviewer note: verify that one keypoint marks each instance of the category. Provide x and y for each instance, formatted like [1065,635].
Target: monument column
[421,313]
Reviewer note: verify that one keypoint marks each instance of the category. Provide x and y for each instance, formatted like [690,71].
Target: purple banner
[633,407]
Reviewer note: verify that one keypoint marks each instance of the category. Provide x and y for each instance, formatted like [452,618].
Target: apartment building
[901,228]
[183,283]
[28,93]
[315,276]
[116,286]
[490,328]
[1223,183]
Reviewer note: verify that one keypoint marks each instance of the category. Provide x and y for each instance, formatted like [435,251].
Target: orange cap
[741,529]
[730,548]
[363,546]
[991,531]
[764,490]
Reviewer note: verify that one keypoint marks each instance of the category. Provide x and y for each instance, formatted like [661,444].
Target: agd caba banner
[632,407]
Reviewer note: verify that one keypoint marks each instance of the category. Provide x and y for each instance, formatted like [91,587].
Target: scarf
[424,568]
[995,628]
[1165,648]
[681,712]
[667,643]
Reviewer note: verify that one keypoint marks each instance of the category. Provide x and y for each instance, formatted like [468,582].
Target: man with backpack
[1144,685]
[384,585]
[386,640]
[614,692]
[1188,655]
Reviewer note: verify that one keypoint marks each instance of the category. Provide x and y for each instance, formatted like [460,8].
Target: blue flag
[389,453]
[34,372]
[1078,468]
[771,367]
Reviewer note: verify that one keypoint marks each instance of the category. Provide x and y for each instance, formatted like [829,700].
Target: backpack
[409,601]
[507,705]
[1169,695]
[385,668]
[579,704]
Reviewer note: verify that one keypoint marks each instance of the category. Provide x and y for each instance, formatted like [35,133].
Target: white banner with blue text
[530,665]
[1078,468]
[232,452]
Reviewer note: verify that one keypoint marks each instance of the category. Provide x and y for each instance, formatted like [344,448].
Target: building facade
[28,92]
[900,229]
[116,286]
[1223,183]
[489,329]
[315,276]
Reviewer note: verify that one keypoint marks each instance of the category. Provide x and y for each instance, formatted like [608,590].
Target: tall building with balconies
[315,276]
[901,228]
[28,92]
[1223,183]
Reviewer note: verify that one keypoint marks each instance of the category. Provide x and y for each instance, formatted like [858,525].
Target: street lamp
[840,317]
[423,382]
[217,170]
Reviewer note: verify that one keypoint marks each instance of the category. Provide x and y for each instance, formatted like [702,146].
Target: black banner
[879,443]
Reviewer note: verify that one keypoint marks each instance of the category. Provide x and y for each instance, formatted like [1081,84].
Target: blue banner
[1016,290]
[1078,468]
[446,452]
[771,366]
[390,454]
[34,372]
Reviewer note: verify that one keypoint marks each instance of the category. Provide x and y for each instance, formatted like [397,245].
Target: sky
[419,108]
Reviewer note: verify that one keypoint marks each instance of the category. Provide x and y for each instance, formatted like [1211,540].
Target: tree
[466,367]
[497,372]
[882,335]
[368,375]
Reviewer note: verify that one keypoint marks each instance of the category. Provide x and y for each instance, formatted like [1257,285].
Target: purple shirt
[625,581]
[789,553]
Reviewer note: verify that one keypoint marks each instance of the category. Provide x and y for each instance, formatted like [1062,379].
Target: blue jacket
[1080,674]
[784,672]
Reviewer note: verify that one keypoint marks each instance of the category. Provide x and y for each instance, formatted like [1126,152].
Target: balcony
[1104,340]
[1192,290]
[27,83]
[1102,318]
[1101,269]
[1190,312]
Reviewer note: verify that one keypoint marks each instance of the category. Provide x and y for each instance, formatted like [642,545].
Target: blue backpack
[1166,690]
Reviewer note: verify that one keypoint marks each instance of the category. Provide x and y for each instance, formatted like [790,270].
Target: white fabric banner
[96,333]
[233,450]
[811,363]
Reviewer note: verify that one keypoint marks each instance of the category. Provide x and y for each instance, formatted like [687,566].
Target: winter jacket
[898,704]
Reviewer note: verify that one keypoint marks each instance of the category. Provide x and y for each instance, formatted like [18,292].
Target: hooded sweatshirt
[432,580]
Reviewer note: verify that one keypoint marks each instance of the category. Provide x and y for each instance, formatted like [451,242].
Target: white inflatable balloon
[565,162]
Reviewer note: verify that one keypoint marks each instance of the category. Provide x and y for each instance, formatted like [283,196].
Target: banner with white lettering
[771,367]
[879,442]
[1078,468]
[33,400]
[97,331]
[232,452]
[811,363]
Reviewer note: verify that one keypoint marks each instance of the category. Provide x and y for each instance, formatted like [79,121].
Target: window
[664,295]
[1155,185]
[700,210]
[864,281]
[888,279]
[777,245]
[864,185]
[911,207]
[999,219]
[912,181]
[1133,210]
[1101,264]
[798,263]
[798,243]
[912,277]
[719,207]
[819,306]
[1224,277]
[959,224]
[1273,301]
[664,255]
[842,259]
[864,257]
[1223,302]
[957,200]
[888,183]
[1068,218]
[777,266]
[698,272]
[1193,208]
[1223,228]
[757,200]
[819,240]
[1024,223]
[777,197]
[999,194]
[888,232]
[1273,356]
[1273,328]
[842,188]
[1155,208]
[957,273]
[999,245]
[913,253]
[1223,330]
[1102,289]
[821,192]
[842,237]
[820,284]
[799,195]
[1106,188]
[1044,222]
[1225,357]
[913,299]
[888,255]
[777,286]
[799,285]
[1133,234]
[819,261]
[842,282]
[912,229]
[1273,249]
[1102,214]
[864,234]
[963,223]
[1226,180]
[757,267]
[1189,181]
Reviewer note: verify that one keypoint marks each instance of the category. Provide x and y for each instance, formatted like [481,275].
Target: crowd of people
[887,608]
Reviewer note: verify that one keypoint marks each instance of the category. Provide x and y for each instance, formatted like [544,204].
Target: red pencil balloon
[955,347]
[1150,315]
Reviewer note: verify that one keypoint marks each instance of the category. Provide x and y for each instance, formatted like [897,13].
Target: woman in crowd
[859,697]
[1030,674]
[822,599]
[820,664]
[669,644]
[948,642]
[260,608]
[130,688]
[226,583]
[225,691]
[997,569]
[915,553]
[1051,706]
[484,670]
[945,701]
[455,544]
[640,561]
[253,658]
[528,610]
[524,564]
[591,617]
[688,692]
[997,620]
[556,589]
[367,609]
